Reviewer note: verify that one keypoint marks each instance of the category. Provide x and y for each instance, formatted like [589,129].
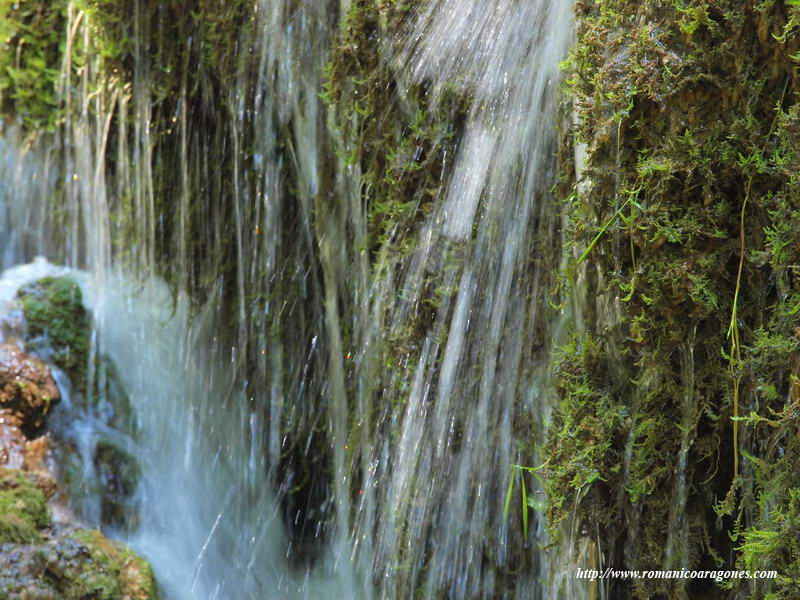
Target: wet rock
[12,442]
[58,322]
[36,455]
[78,563]
[118,474]
[27,389]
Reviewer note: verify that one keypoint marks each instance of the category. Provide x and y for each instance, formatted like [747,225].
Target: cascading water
[440,487]
[253,390]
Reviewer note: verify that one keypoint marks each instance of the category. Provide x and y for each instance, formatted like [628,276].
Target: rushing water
[215,403]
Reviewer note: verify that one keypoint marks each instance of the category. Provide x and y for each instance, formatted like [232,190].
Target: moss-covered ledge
[683,232]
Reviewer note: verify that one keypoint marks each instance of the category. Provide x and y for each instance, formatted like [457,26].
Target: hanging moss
[687,209]
[398,139]
[585,437]
[32,38]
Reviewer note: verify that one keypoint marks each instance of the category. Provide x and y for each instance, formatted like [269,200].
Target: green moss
[113,572]
[53,308]
[689,115]
[584,440]
[32,35]
[23,508]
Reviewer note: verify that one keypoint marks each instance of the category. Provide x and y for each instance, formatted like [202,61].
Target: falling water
[219,407]
[440,486]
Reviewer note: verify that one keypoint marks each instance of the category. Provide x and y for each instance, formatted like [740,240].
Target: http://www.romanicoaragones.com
[609,573]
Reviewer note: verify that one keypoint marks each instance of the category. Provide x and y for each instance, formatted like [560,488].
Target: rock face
[76,563]
[41,557]
[27,389]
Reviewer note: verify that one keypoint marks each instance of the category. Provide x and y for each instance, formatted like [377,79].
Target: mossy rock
[79,564]
[114,571]
[684,215]
[118,475]
[23,508]
[53,308]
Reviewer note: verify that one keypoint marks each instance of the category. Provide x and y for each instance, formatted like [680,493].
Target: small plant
[526,501]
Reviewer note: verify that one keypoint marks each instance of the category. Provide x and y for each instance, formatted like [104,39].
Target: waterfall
[439,490]
[286,446]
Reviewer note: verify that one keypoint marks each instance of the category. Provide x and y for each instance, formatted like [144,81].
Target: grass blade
[524,507]
[510,489]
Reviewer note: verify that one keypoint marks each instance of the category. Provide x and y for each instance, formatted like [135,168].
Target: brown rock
[12,442]
[36,455]
[27,389]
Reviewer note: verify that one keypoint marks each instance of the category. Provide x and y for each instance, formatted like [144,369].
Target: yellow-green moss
[114,571]
[23,508]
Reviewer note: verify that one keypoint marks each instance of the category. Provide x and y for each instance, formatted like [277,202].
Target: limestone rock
[27,389]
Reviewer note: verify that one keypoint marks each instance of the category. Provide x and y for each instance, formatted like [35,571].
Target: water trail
[477,361]
[677,546]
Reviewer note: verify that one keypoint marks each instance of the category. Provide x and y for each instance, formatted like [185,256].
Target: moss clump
[54,310]
[584,440]
[23,508]
[114,571]
[32,35]
[689,115]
